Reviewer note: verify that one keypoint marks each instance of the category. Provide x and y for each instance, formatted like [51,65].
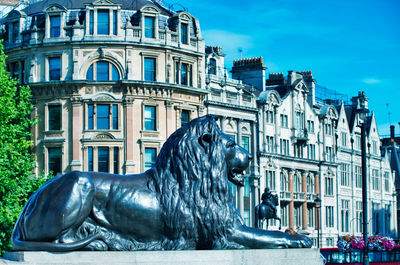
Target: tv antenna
[240,50]
[388,111]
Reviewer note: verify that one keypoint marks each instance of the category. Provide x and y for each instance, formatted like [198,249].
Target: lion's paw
[299,241]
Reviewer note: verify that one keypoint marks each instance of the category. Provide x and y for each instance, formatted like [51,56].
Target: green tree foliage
[16,160]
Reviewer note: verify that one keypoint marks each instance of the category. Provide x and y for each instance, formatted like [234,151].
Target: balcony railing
[299,196]
[301,135]
[311,197]
[286,195]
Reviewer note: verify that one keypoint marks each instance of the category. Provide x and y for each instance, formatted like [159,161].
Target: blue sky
[349,45]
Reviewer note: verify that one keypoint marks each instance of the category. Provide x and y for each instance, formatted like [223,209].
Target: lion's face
[237,159]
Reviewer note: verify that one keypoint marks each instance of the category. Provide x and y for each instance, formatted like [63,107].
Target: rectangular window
[329,185]
[345,174]
[103,22]
[184,74]
[270,144]
[387,182]
[149,157]
[116,160]
[374,147]
[54,117]
[358,176]
[150,118]
[329,216]
[269,116]
[177,71]
[310,216]
[54,68]
[103,117]
[184,33]
[284,121]
[149,69]
[15,31]
[310,126]
[358,217]
[284,146]
[103,159]
[55,26]
[115,32]
[297,216]
[329,155]
[184,117]
[284,215]
[270,180]
[149,23]
[344,139]
[90,116]
[90,159]
[376,184]
[91,22]
[115,116]
[245,143]
[328,129]
[311,151]
[345,215]
[358,142]
[54,160]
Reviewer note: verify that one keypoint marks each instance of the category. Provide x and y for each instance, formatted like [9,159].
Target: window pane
[150,118]
[90,117]
[89,73]
[103,121]
[103,22]
[115,117]
[245,143]
[15,31]
[149,69]
[149,27]
[212,69]
[184,33]
[149,158]
[114,73]
[184,71]
[54,160]
[115,22]
[102,71]
[54,68]
[54,117]
[116,160]
[103,159]
[177,72]
[184,117]
[54,26]
[91,22]
[90,158]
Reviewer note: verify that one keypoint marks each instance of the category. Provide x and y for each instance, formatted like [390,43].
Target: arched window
[297,183]
[284,183]
[102,71]
[310,185]
[212,69]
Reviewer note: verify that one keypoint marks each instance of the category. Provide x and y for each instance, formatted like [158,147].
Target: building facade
[111,80]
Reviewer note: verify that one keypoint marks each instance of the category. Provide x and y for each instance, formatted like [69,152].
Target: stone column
[291,203]
[129,141]
[77,121]
[95,158]
[304,206]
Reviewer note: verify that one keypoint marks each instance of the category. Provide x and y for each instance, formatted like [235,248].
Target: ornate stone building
[111,79]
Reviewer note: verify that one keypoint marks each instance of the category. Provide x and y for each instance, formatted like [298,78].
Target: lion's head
[191,175]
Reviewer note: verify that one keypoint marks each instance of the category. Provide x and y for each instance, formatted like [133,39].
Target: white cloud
[371,81]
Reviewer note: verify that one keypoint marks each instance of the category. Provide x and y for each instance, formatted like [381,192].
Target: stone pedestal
[199,257]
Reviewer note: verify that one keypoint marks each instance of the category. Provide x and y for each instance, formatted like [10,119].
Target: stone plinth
[208,257]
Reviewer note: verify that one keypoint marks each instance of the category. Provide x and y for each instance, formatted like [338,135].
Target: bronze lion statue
[182,202]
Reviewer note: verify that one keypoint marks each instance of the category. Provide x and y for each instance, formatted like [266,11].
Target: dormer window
[15,31]
[184,33]
[55,26]
[212,68]
[149,23]
[102,18]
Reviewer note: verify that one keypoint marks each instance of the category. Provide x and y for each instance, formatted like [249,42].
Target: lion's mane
[191,179]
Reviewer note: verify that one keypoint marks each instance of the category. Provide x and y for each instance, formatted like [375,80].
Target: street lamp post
[363,112]
[318,206]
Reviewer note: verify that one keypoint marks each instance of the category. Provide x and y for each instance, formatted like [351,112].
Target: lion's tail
[19,244]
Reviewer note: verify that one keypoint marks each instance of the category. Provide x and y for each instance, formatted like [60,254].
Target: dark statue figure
[266,210]
[182,202]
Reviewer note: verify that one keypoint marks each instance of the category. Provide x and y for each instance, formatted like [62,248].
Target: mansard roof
[38,7]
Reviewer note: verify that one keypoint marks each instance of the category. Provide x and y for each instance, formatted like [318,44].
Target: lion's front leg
[258,238]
